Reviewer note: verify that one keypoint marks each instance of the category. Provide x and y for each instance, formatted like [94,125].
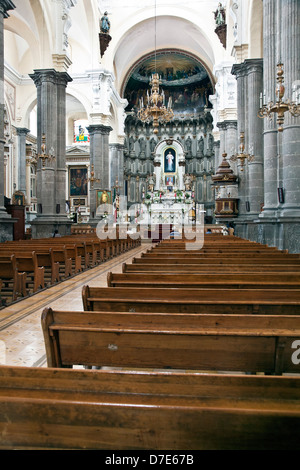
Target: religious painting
[169,160]
[78,181]
[103,197]
[81,134]
[18,198]
[169,181]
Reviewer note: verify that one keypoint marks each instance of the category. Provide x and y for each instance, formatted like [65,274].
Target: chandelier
[155,109]
[242,156]
[280,107]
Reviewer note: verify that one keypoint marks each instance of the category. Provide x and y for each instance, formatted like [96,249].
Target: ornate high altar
[170,193]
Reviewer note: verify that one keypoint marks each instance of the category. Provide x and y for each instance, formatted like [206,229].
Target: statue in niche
[104,24]
[151,182]
[131,145]
[201,147]
[188,146]
[220,15]
[152,145]
[210,145]
[142,143]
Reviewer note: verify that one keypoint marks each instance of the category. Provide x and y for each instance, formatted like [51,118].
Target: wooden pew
[45,258]
[13,281]
[208,268]
[236,343]
[221,256]
[43,408]
[217,260]
[195,280]
[243,301]
[26,261]
[70,249]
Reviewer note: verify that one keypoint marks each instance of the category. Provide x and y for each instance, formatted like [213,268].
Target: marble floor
[21,337]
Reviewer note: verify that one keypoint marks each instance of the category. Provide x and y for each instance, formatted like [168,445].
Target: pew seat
[239,343]
[45,408]
[195,280]
[141,299]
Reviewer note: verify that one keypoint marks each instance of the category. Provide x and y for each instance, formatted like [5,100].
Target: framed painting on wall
[78,181]
[170,160]
[103,197]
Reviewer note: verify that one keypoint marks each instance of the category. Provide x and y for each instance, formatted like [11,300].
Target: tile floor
[21,337]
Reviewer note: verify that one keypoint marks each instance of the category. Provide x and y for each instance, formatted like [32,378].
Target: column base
[6,227]
[281,232]
[44,227]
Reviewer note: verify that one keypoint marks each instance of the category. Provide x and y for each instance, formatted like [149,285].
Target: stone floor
[21,337]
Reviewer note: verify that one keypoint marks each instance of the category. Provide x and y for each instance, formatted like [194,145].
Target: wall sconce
[280,107]
[44,156]
[242,156]
[92,179]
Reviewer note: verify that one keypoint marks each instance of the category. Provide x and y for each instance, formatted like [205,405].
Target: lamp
[242,156]
[155,109]
[280,107]
[43,155]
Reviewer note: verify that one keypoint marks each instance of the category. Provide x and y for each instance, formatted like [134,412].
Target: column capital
[99,129]
[50,75]
[22,131]
[6,5]
[238,70]
[254,65]
[227,124]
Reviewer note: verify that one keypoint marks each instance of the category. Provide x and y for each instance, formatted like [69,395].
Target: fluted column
[270,53]
[99,157]
[290,56]
[6,223]
[255,136]
[22,133]
[51,178]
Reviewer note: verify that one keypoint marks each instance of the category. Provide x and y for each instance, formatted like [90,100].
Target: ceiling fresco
[182,77]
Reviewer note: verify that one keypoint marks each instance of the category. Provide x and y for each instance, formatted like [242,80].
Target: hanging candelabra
[242,156]
[280,107]
[92,179]
[155,109]
[43,155]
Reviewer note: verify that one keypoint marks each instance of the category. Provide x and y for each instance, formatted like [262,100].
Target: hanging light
[155,109]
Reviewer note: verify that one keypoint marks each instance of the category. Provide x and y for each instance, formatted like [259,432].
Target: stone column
[22,133]
[290,40]
[254,132]
[99,157]
[6,222]
[270,9]
[240,73]
[51,178]
[117,166]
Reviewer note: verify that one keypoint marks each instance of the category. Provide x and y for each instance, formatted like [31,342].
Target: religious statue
[187,182]
[151,182]
[104,24]
[201,147]
[220,15]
